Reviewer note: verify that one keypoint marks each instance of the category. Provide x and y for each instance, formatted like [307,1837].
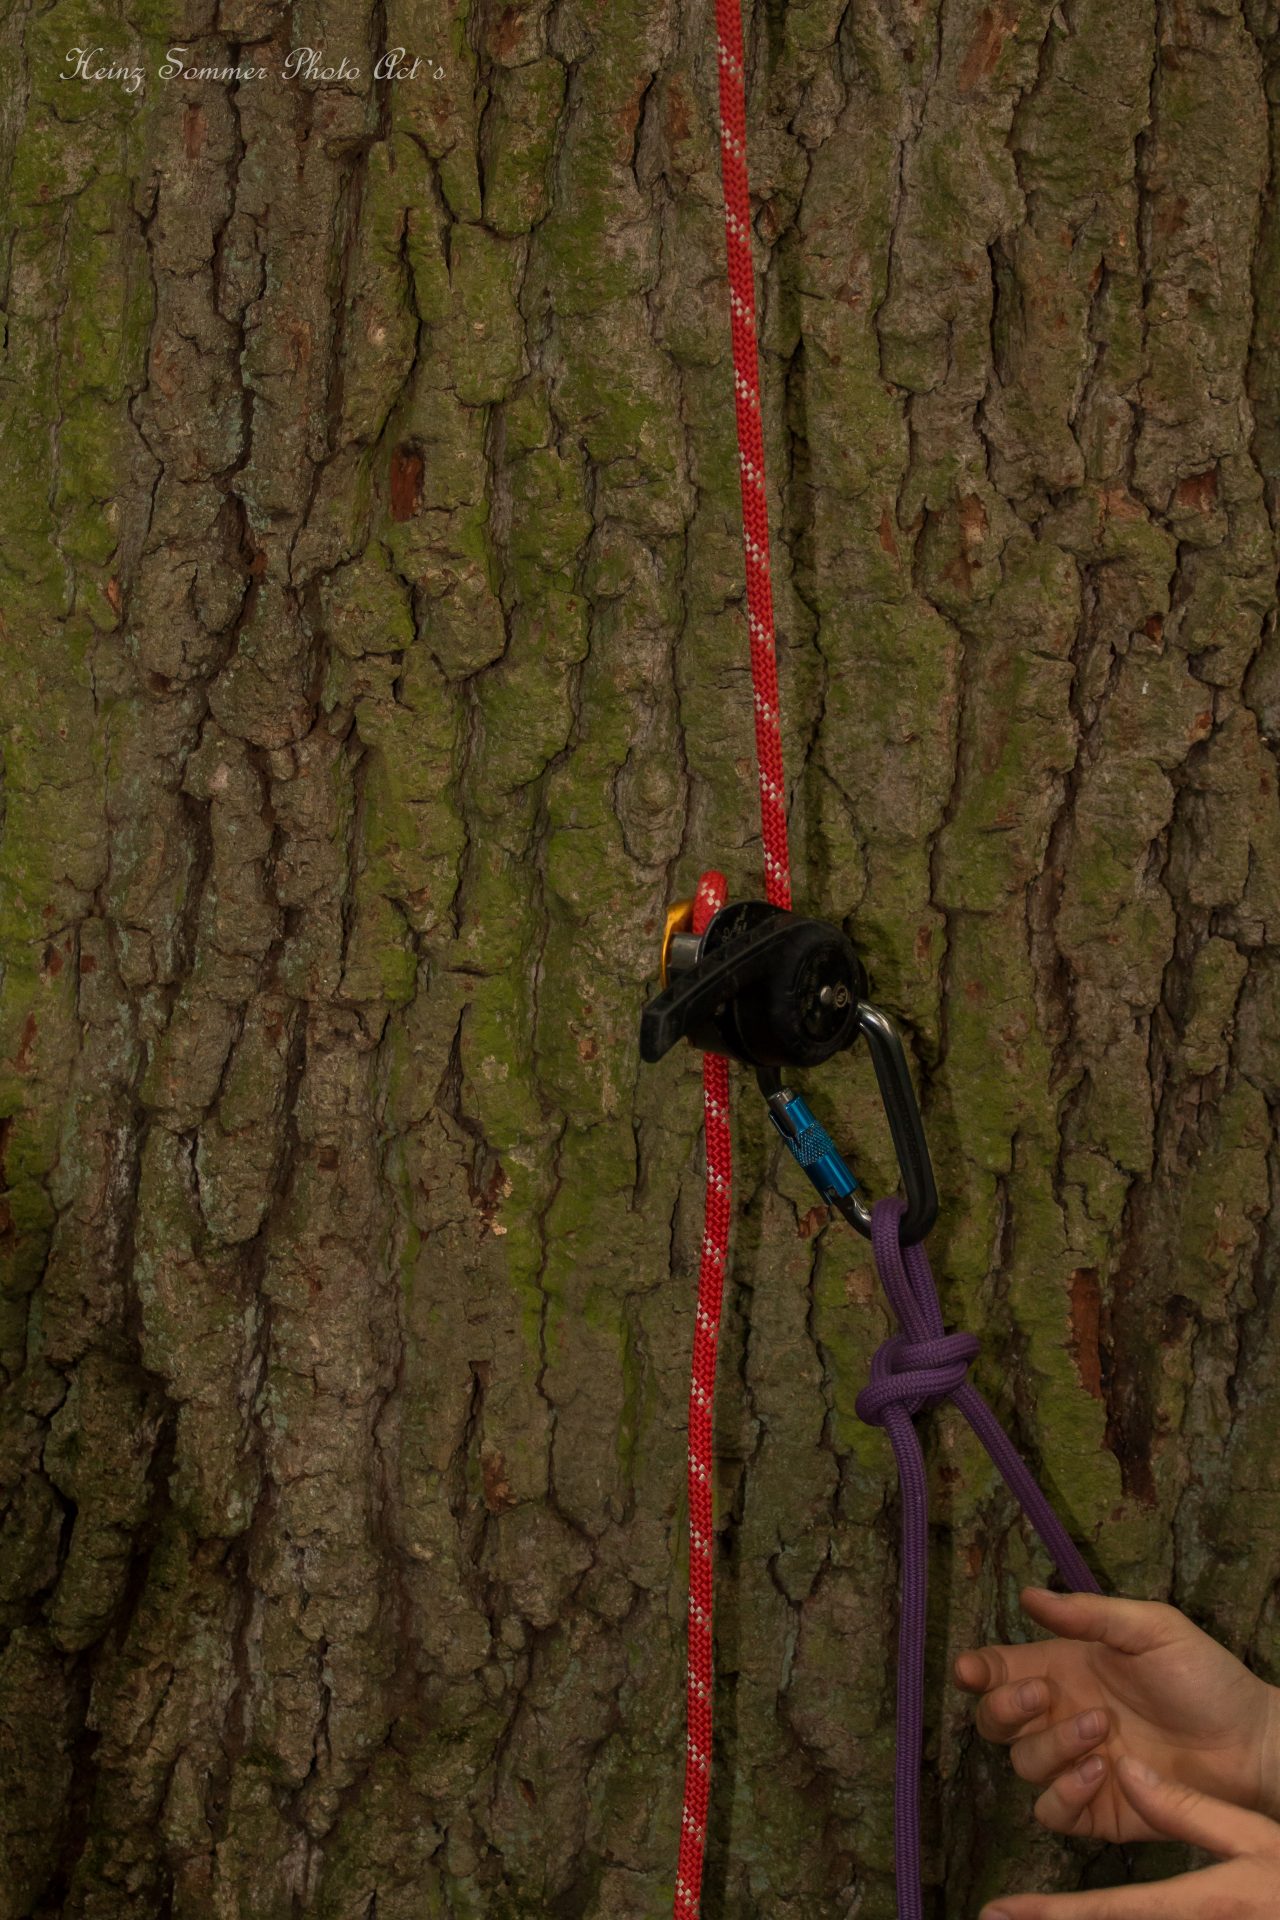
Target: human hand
[1245,1883]
[1156,1687]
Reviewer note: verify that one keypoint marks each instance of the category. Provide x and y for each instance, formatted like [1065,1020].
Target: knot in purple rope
[914,1374]
[923,1364]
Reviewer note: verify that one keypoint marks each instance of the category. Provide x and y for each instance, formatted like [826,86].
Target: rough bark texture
[374,673]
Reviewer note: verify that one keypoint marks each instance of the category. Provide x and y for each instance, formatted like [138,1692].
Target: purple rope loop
[917,1368]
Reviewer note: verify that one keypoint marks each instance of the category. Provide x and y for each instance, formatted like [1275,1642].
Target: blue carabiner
[814,1150]
[811,1146]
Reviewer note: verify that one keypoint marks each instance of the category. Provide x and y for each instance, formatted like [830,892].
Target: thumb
[1182,1813]
[1130,1626]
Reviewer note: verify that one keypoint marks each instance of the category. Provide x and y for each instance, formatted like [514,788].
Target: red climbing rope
[702,1387]
[920,1366]
[711,896]
[755,515]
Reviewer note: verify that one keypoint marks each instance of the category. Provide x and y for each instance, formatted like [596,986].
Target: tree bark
[375,673]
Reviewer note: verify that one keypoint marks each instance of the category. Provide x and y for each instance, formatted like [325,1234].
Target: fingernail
[1092,1769]
[1089,1725]
[1029,1697]
[1139,1770]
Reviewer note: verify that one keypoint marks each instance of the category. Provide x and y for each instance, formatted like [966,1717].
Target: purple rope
[918,1368]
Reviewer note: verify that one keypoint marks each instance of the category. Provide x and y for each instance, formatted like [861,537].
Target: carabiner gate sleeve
[811,1146]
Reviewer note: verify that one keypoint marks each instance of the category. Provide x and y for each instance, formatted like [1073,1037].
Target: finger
[1130,1626]
[1184,1814]
[979,1669]
[1067,1803]
[969,1670]
[1149,1902]
[1043,1755]
[1008,1712]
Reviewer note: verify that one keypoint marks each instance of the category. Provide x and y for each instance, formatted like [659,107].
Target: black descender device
[775,991]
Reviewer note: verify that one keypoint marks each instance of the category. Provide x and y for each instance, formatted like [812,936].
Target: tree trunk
[375,673]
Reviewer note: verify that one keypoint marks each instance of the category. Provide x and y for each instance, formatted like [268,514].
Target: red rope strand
[715,1249]
[711,896]
[755,515]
